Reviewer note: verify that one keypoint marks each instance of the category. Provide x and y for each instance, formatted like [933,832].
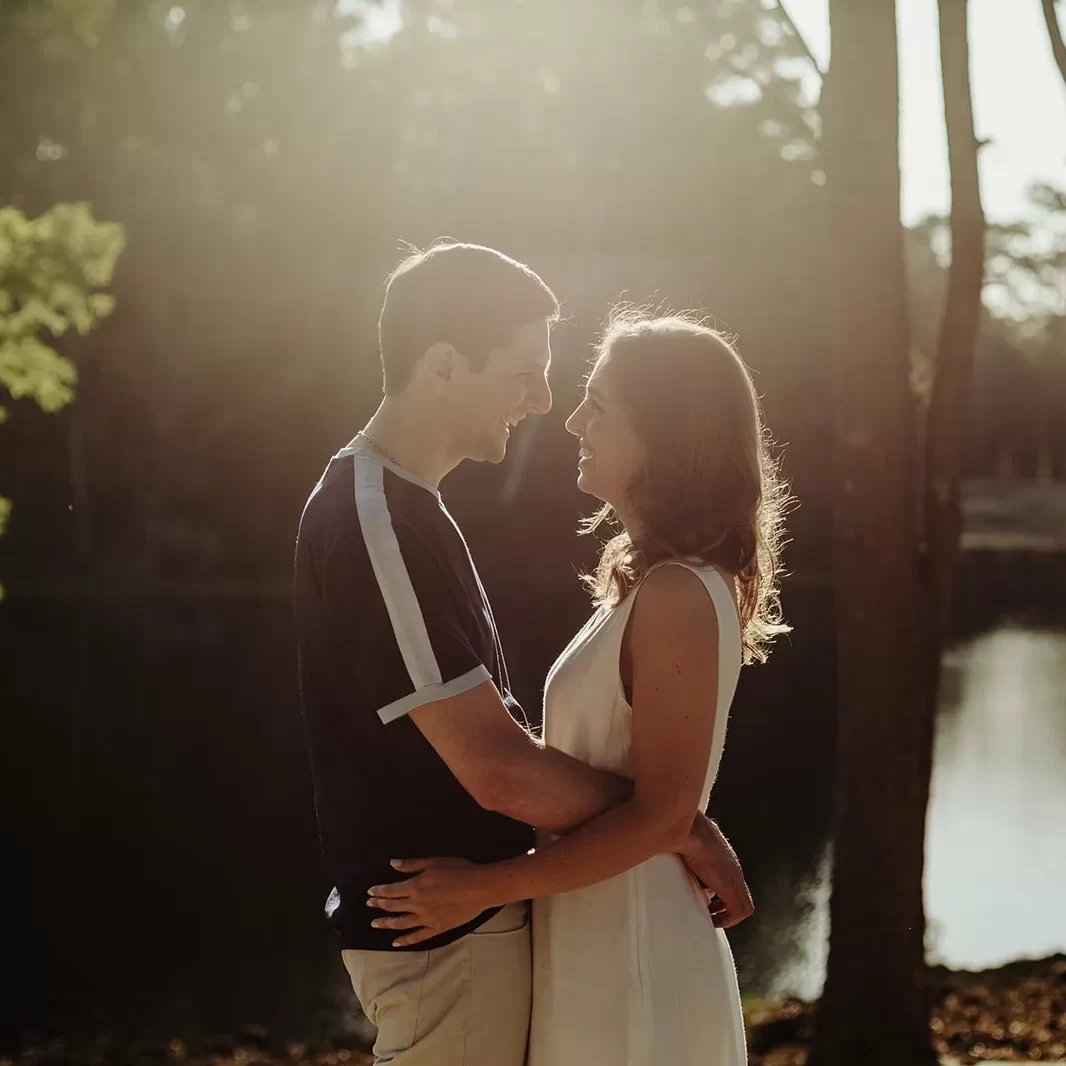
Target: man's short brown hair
[465,294]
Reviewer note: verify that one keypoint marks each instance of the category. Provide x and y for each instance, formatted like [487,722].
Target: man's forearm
[551,790]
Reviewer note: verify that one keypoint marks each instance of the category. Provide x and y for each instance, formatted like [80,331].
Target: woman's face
[611,455]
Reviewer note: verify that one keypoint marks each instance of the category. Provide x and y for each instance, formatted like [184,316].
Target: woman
[628,965]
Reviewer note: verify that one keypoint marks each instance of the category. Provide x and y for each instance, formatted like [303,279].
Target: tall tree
[873,1009]
[894,574]
[946,419]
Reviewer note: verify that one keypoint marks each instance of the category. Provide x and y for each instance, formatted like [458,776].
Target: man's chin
[488,450]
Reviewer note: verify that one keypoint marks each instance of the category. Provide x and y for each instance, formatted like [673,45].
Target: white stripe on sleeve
[391,572]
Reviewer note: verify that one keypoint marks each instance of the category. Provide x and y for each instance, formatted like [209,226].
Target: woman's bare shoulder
[673,600]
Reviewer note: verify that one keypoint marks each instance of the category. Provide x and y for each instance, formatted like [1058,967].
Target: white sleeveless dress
[632,971]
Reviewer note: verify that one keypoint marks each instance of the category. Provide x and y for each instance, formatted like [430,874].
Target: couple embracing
[502,898]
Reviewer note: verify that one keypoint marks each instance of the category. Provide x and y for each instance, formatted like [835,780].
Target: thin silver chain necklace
[383,451]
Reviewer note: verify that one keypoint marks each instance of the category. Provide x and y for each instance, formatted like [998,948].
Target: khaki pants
[465,1004]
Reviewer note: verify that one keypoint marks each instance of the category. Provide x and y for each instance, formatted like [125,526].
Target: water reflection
[995,881]
[996,835]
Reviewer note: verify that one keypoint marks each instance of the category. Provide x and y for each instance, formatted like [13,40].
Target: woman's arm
[673,639]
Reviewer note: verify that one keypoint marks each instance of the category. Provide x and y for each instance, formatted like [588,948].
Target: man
[416,745]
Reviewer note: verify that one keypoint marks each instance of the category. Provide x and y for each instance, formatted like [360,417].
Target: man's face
[513,384]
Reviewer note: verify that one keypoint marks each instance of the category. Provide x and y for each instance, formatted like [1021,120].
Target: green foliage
[1025,277]
[1018,391]
[49,269]
[1027,272]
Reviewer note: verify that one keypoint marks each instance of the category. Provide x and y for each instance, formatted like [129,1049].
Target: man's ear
[441,363]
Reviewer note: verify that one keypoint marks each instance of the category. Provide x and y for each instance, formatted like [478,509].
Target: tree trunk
[873,1009]
[1054,31]
[946,419]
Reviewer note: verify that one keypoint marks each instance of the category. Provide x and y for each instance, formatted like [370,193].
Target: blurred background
[250,169]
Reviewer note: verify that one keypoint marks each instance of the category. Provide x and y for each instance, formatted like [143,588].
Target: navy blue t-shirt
[390,615]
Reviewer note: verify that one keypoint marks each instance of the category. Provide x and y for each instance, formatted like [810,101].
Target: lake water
[165,875]
[995,873]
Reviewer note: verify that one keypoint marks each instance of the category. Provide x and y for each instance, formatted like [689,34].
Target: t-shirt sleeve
[431,619]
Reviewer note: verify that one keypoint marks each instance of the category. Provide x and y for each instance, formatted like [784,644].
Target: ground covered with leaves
[1016,1013]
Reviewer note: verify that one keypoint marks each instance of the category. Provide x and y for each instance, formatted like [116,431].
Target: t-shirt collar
[359,448]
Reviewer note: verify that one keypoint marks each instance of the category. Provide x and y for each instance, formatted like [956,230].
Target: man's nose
[540,398]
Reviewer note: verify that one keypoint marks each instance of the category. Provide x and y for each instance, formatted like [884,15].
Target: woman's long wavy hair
[709,488]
